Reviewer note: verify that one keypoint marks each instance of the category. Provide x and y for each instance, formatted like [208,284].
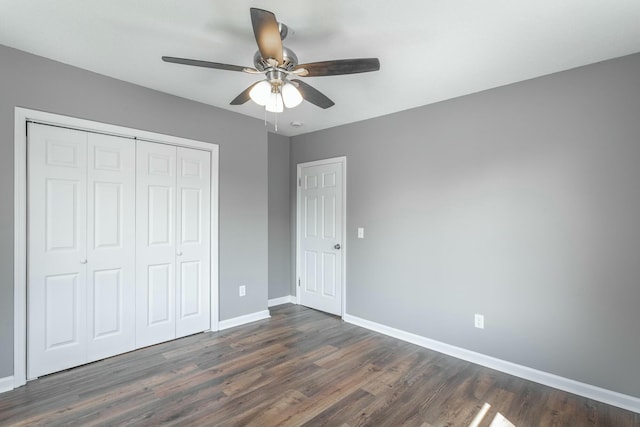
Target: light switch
[360,233]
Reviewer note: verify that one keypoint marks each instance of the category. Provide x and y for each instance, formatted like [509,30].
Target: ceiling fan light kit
[278,64]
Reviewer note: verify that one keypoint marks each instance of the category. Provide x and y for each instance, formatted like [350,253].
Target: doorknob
[83,261]
[337,246]
[179,253]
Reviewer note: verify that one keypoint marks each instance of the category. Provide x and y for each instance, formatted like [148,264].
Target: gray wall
[37,83]
[521,203]
[279,217]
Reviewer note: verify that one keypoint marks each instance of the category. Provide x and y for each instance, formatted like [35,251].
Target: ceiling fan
[279,64]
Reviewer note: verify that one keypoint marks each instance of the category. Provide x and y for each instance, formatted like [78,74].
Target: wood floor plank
[299,367]
[348,408]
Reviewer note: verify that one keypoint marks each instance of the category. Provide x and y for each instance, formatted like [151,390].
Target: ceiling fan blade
[265,28]
[339,67]
[244,96]
[207,64]
[313,95]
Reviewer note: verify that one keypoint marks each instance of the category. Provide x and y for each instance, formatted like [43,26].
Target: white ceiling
[429,50]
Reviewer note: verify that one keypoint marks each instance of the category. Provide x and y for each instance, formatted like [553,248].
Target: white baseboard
[241,320]
[586,390]
[282,300]
[6,384]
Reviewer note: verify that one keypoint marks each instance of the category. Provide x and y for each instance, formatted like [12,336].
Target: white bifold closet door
[118,247]
[81,248]
[173,243]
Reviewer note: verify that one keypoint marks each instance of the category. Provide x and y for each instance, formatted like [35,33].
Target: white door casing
[320,235]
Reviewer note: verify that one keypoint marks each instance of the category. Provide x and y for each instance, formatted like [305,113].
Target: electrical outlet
[479,321]
[242,290]
[360,232]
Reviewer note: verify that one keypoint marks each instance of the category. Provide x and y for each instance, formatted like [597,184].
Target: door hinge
[299,182]
[298,281]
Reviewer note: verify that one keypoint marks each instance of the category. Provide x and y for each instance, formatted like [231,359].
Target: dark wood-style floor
[300,367]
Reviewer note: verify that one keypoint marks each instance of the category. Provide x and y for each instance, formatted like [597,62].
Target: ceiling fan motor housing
[289,60]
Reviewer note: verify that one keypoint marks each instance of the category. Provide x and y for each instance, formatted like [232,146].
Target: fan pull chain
[276,114]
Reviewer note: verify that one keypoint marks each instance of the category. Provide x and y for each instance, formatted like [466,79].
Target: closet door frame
[22,117]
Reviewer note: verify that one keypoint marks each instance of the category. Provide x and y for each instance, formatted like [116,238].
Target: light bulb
[274,105]
[260,93]
[291,95]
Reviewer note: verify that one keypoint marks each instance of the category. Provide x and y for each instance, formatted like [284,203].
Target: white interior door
[57,273]
[110,246]
[320,235]
[193,261]
[155,243]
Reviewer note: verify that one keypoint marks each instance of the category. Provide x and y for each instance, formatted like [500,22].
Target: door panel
[155,245]
[310,215]
[310,271]
[160,215]
[61,213]
[107,303]
[191,284]
[61,317]
[57,230]
[191,211]
[193,237]
[160,289]
[320,215]
[329,279]
[111,245]
[329,217]
[107,218]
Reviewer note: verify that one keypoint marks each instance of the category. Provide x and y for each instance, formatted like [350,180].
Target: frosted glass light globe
[260,93]
[291,95]
[274,105]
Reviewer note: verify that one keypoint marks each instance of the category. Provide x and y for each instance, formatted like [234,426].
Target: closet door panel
[193,241]
[111,245]
[155,243]
[56,289]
